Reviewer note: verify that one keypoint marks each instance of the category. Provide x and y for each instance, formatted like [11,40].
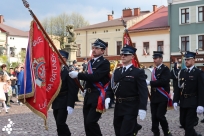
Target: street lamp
[170,2]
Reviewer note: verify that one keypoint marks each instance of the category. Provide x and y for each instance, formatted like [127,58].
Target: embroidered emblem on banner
[39,67]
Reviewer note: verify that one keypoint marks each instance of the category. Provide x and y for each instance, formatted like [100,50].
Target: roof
[110,23]
[156,21]
[13,31]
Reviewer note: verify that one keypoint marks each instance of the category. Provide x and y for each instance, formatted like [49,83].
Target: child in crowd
[2,94]
[9,90]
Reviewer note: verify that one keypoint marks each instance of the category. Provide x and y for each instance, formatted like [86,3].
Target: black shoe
[157,134]
[181,126]
[11,101]
[138,127]
[168,134]
[197,134]
[202,121]
[196,122]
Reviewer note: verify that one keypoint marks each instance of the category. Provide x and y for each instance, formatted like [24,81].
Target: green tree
[57,25]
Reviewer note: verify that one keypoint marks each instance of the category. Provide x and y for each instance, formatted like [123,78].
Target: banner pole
[26,4]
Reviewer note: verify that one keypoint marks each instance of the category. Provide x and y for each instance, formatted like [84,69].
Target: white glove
[70,110]
[142,114]
[148,82]
[175,106]
[107,101]
[83,93]
[73,74]
[200,109]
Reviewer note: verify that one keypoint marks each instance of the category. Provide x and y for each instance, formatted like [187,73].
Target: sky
[94,11]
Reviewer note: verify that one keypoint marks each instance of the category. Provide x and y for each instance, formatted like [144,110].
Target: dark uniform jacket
[163,78]
[193,85]
[132,83]
[174,75]
[68,91]
[101,69]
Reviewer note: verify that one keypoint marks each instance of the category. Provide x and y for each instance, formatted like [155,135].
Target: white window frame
[197,13]
[180,15]
[197,40]
[189,41]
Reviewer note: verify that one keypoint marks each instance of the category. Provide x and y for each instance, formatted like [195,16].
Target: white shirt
[190,68]
[127,66]
[95,59]
[159,66]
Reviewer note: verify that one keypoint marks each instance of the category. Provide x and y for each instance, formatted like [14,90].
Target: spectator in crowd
[2,95]
[13,82]
[16,72]
[20,79]
[4,71]
[8,90]
[85,64]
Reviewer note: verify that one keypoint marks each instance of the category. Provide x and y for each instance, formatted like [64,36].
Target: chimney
[154,8]
[127,12]
[110,17]
[136,11]
[1,19]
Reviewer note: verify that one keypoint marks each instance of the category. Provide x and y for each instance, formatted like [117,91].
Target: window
[201,42]
[12,53]
[201,14]
[185,16]
[119,46]
[146,48]
[106,50]
[160,46]
[185,43]
[78,53]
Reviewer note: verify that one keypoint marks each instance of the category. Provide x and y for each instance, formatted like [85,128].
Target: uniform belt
[189,95]
[89,90]
[62,93]
[120,100]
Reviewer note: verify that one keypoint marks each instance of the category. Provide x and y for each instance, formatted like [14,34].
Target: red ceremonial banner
[127,41]
[45,73]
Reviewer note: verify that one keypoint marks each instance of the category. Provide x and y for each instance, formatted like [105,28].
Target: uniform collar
[94,59]
[159,66]
[190,68]
[127,66]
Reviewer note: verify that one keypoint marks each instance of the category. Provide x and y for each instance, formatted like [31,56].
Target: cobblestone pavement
[27,123]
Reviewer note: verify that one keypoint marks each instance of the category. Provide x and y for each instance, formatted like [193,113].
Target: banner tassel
[46,127]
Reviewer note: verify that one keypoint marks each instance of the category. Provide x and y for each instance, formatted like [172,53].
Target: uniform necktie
[92,61]
[188,70]
[124,68]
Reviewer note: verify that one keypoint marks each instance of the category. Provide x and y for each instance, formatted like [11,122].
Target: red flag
[127,41]
[45,73]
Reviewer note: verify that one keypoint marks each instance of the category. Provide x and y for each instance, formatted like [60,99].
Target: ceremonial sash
[102,89]
[161,90]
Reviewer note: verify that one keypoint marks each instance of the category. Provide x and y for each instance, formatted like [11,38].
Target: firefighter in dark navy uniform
[64,102]
[190,94]
[98,72]
[129,86]
[159,101]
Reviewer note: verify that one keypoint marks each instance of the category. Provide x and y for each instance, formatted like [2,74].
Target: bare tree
[57,25]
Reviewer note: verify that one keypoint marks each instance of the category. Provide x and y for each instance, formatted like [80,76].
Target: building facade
[186,20]
[13,40]
[152,34]
[110,31]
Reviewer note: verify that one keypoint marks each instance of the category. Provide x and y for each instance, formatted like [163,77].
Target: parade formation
[137,94]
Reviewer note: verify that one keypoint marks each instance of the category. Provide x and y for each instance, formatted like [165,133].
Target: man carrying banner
[128,101]
[97,80]
[160,98]
[64,102]
[190,94]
